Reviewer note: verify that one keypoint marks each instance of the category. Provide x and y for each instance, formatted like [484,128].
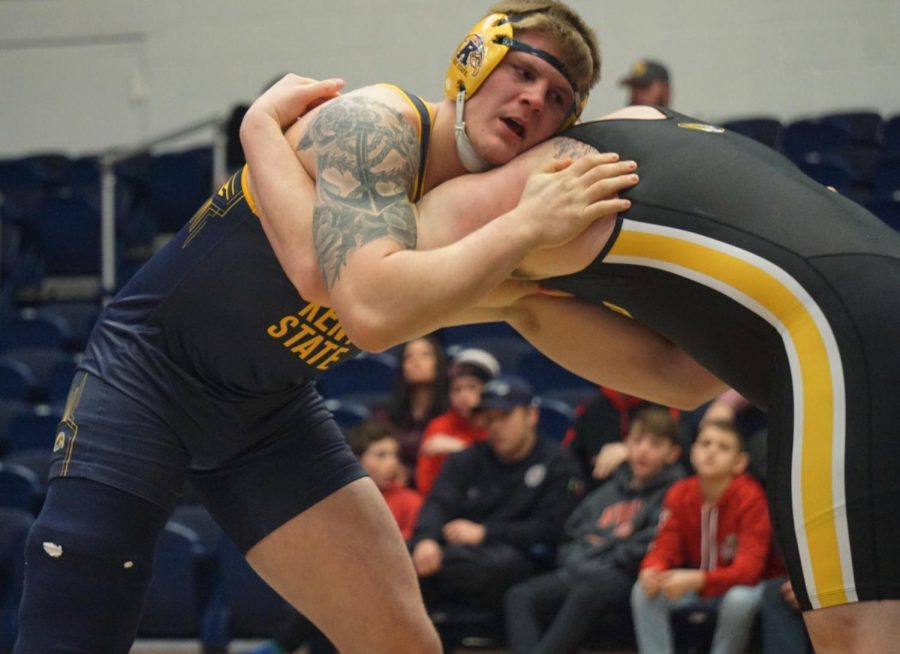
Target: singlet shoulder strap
[425,123]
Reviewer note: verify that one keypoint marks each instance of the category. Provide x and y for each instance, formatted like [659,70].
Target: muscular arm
[612,350]
[365,154]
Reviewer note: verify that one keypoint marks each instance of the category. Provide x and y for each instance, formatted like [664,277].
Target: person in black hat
[493,505]
[649,83]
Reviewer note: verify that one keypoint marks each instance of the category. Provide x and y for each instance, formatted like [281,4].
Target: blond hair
[577,42]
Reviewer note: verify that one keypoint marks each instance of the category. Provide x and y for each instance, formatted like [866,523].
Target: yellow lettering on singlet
[307,347]
[281,328]
[327,347]
[305,330]
[314,334]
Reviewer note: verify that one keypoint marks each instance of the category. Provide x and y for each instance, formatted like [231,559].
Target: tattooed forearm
[571,148]
[367,157]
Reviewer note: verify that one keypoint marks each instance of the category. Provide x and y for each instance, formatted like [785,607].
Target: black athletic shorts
[251,488]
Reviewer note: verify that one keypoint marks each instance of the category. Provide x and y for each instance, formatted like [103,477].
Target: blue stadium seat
[834,173]
[252,607]
[765,129]
[14,526]
[40,362]
[891,135]
[79,318]
[20,488]
[555,418]
[182,587]
[865,127]
[51,169]
[9,409]
[60,381]
[802,137]
[17,382]
[886,177]
[347,414]
[366,379]
[38,461]
[32,330]
[32,429]
[546,375]
[179,182]
[888,209]
[468,333]
[69,236]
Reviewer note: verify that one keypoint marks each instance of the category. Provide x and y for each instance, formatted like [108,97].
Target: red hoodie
[730,540]
[450,424]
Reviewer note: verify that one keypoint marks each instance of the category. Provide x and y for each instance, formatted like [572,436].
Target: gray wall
[79,75]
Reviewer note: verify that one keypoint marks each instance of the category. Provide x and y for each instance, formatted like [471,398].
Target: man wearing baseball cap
[649,83]
[492,504]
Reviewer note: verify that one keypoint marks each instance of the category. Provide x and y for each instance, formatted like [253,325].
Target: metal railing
[113,156]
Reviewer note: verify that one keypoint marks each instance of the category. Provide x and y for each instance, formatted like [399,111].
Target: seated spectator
[598,431]
[649,83]
[420,394]
[714,542]
[492,503]
[783,629]
[605,538]
[376,448]
[453,431]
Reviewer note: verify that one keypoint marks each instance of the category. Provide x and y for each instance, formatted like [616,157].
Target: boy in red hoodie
[714,542]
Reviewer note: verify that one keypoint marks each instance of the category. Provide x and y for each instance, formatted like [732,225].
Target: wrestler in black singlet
[789,293]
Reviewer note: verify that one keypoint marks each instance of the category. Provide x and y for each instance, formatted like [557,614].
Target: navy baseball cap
[506,392]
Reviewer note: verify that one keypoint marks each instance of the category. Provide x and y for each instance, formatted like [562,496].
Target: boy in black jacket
[605,538]
[492,503]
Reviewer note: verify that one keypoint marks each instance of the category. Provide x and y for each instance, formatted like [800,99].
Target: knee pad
[89,560]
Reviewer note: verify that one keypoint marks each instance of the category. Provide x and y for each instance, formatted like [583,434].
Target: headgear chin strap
[471,160]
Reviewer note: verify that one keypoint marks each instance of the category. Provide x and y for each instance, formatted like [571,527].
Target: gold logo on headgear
[470,55]
[60,442]
[702,127]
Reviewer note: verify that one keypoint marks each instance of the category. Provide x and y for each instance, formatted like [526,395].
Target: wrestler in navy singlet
[203,364]
[790,294]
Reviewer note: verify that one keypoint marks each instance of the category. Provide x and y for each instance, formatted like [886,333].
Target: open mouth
[515,126]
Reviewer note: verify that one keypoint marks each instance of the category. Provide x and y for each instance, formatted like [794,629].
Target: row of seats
[858,153]
[51,201]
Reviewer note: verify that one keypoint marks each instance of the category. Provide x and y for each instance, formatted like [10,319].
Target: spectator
[596,436]
[420,394]
[376,447]
[453,431]
[649,84]
[713,542]
[605,538]
[492,503]
[783,629]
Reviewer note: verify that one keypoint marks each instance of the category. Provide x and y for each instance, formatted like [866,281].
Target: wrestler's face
[523,101]
[381,462]
[717,453]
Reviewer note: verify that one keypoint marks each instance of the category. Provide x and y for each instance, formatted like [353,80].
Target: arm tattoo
[367,156]
[566,148]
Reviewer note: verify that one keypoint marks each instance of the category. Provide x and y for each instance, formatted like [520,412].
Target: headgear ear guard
[483,49]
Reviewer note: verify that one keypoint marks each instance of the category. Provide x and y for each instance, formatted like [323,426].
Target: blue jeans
[783,629]
[736,612]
